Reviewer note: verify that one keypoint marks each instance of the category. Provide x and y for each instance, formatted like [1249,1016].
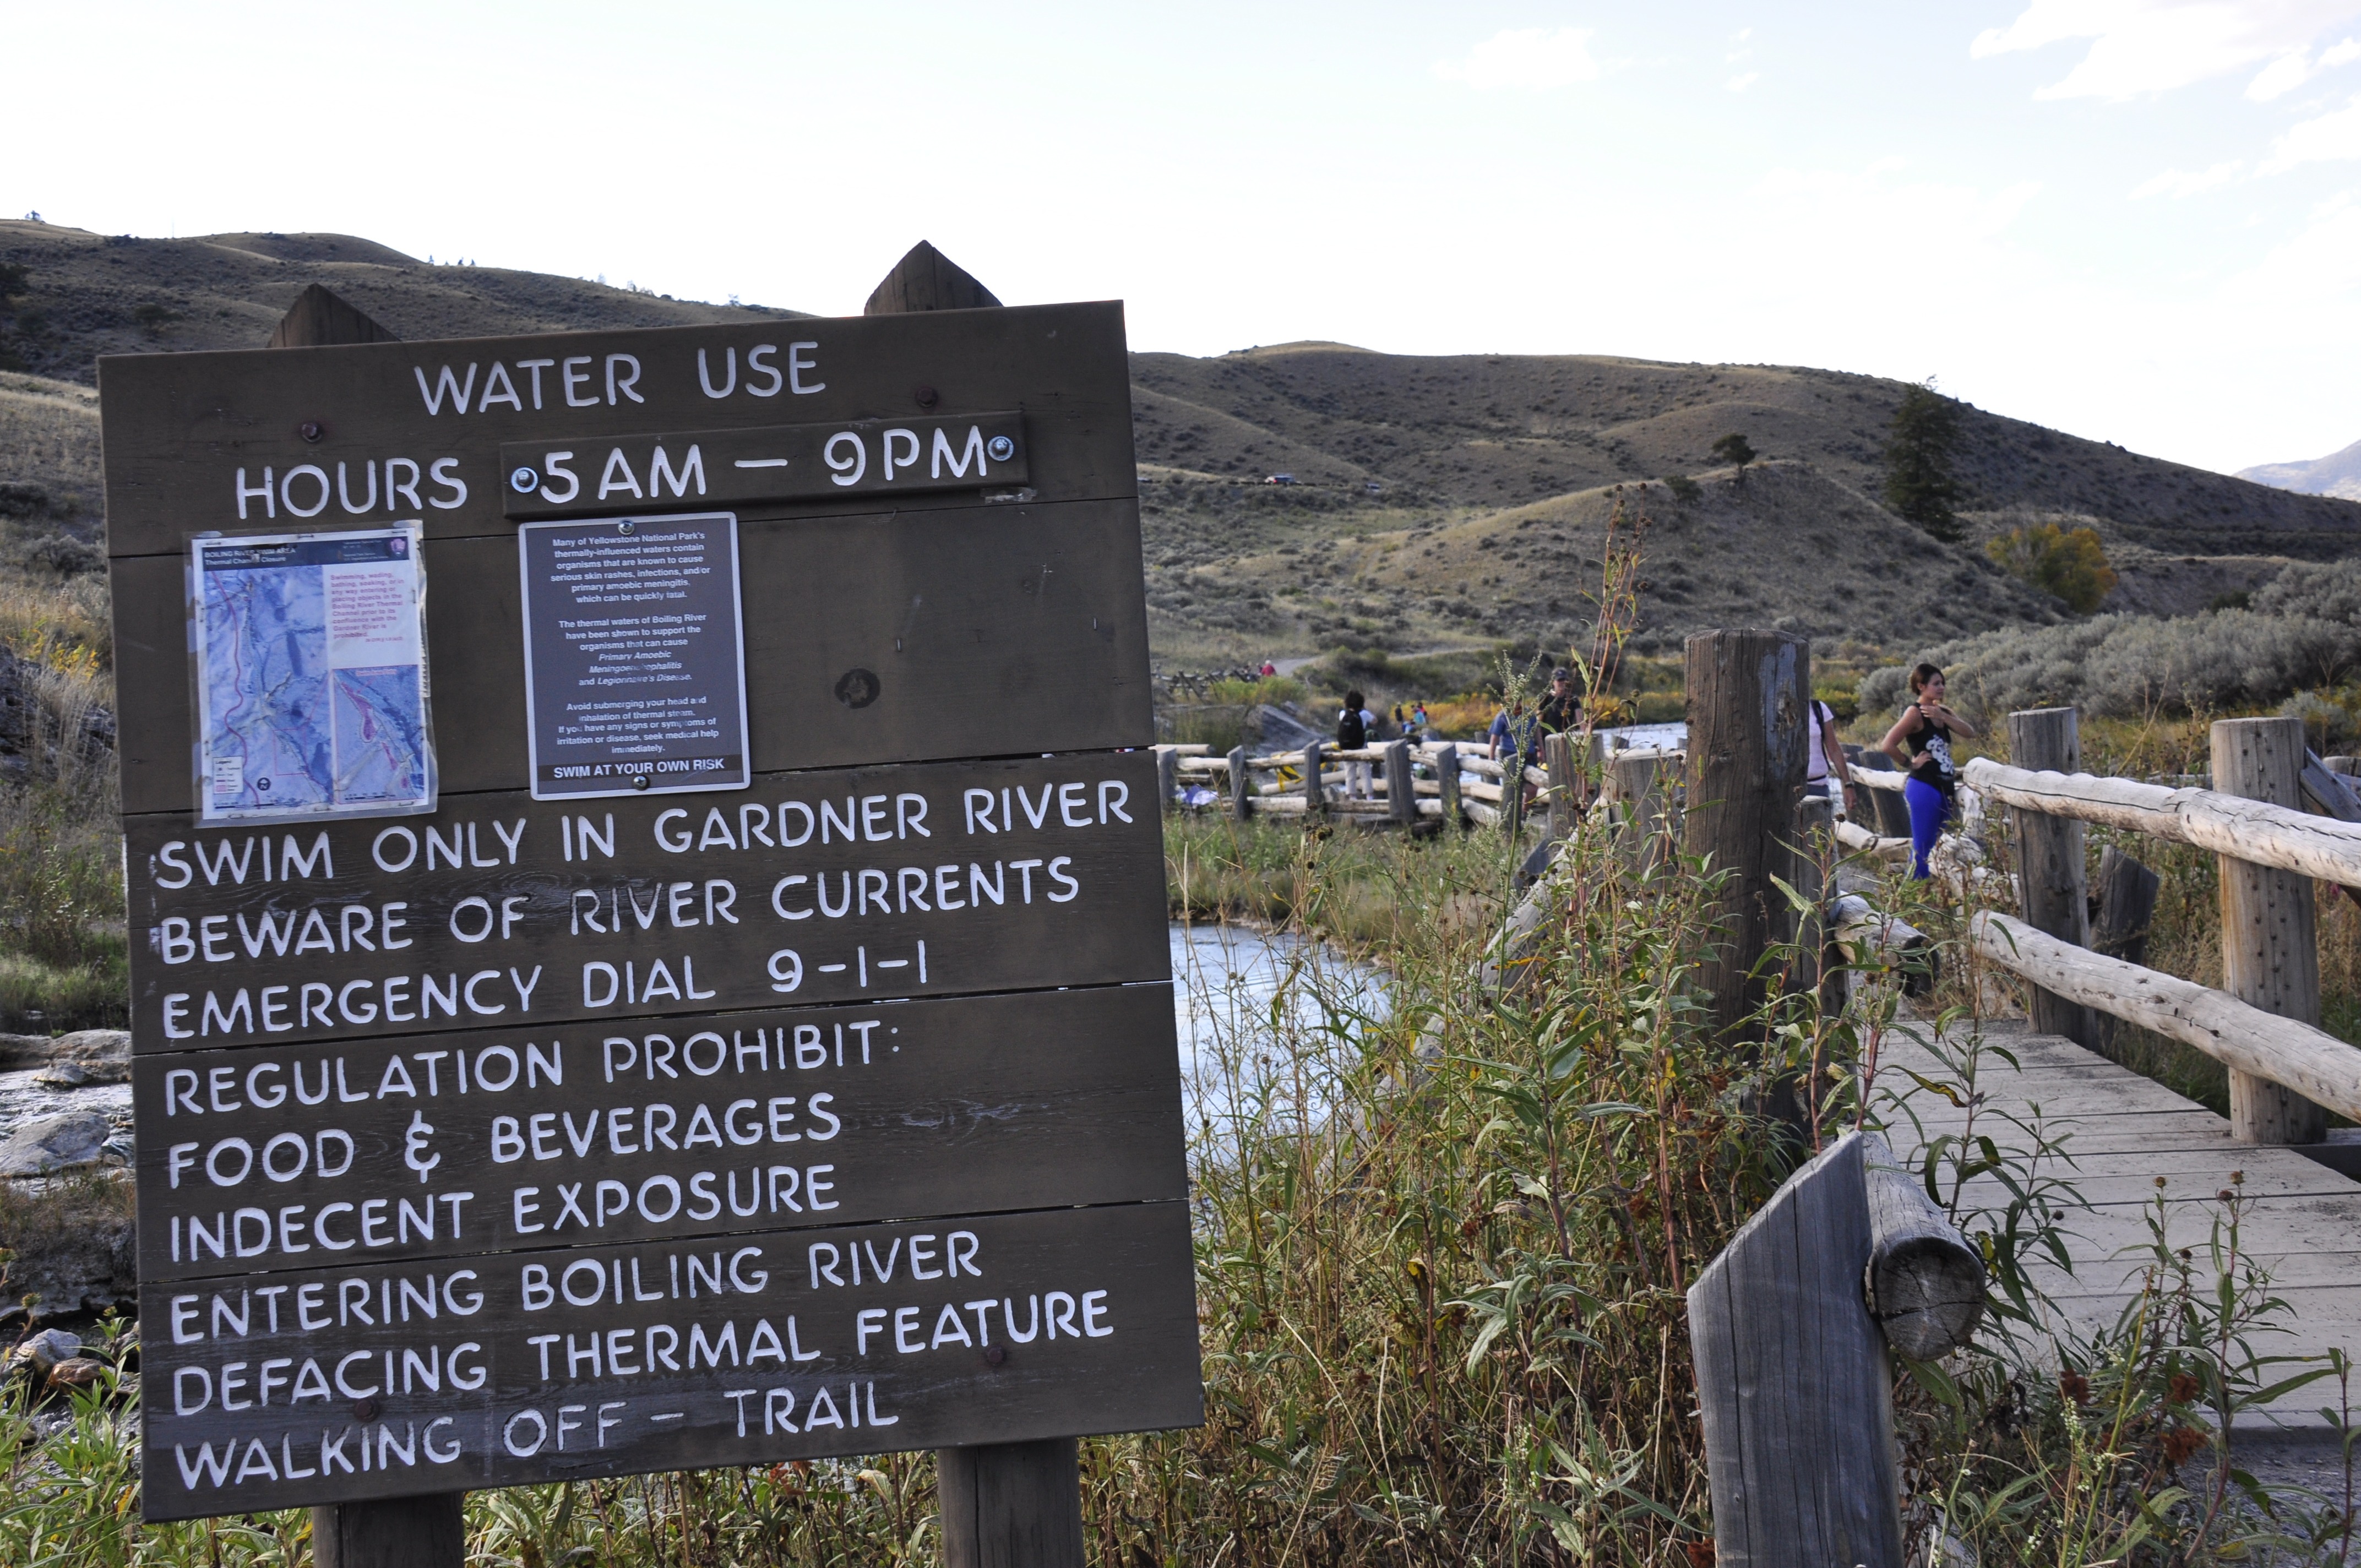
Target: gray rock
[20,1051]
[103,1054]
[75,1251]
[64,1075]
[47,1144]
[48,1348]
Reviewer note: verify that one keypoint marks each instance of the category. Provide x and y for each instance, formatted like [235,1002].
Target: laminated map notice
[311,675]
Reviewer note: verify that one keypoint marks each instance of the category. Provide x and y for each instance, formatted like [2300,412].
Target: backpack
[1351,735]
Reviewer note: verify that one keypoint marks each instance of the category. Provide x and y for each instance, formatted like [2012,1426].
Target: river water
[1267,1020]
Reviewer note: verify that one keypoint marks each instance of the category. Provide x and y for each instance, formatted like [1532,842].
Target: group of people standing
[1919,744]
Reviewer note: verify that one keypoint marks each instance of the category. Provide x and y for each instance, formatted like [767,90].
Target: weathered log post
[1011,1505]
[1401,791]
[1241,784]
[1747,691]
[2050,860]
[2270,954]
[1008,1503]
[1790,1329]
[1629,793]
[388,1532]
[1446,778]
[2128,891]
[1315,793]
[1565,784]
[1816,836]
[1167,778]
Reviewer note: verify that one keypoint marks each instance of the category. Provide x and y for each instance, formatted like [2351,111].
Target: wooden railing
[1407,781]
[2285,1072]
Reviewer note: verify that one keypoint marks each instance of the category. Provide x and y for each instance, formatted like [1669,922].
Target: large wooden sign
[765,1046]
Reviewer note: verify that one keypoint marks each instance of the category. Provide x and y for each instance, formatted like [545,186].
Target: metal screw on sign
[925,396]
[1001,448]
[524,481]
[310,429]
[626,527]
[641,781]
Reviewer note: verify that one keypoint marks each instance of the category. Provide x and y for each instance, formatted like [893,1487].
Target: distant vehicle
[1280,479]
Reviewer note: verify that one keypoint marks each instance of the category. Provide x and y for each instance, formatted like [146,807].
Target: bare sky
[2133,219]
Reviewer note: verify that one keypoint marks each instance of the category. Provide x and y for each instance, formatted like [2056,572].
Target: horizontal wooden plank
[928,878]
[181,428]
[980,631]
[445,1146]
[575,1363]
[885,459]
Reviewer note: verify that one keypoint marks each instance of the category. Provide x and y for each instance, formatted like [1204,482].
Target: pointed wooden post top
[318,319]
[927,280]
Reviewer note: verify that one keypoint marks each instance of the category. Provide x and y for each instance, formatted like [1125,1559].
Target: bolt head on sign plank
[785,867]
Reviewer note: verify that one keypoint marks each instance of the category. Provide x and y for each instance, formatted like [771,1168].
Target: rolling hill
[1438,501]
[2338,474]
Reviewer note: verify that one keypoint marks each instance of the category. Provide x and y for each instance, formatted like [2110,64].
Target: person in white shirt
[1826,760]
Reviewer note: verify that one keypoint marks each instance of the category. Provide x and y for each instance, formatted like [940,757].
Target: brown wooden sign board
[913,977]
[183,427]
[921,881]
[876,636]
[494,1141]
[264,1393]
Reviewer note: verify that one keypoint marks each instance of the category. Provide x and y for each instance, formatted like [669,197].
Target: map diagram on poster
[311,672]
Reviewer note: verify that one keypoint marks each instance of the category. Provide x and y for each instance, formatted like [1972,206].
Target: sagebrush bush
[2127,666]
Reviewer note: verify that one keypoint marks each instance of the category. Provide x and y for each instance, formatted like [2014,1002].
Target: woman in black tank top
[1920,744]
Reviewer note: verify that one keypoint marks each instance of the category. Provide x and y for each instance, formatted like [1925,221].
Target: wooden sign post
[646,905]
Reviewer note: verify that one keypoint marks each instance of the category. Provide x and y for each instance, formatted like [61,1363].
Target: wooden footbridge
[1793,1322]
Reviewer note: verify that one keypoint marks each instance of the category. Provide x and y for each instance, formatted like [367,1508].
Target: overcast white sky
[2133,219]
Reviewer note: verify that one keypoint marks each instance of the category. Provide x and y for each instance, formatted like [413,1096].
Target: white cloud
[1526,56]
[2310,272]
[2290,71]
[2153,45]
[2179,184]
[1741,83]
[2330,138]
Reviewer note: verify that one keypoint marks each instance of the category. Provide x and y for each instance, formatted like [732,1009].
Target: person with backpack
[1352,727]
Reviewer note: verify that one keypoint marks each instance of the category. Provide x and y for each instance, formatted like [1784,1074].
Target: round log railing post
[2270,954]
[1747,691]
[1168,779]
[1315,793]
[1241,784]
[2049,859]
[1446,778]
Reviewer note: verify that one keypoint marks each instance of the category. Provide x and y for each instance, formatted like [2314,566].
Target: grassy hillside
[1457,492]
[1448,502]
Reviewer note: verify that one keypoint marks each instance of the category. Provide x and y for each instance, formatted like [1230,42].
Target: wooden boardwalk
[2123,1131]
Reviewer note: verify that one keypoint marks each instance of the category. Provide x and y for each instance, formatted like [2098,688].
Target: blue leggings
[1930,809]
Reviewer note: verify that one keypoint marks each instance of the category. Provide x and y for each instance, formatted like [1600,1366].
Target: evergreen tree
[1733,450]
[1918,453]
